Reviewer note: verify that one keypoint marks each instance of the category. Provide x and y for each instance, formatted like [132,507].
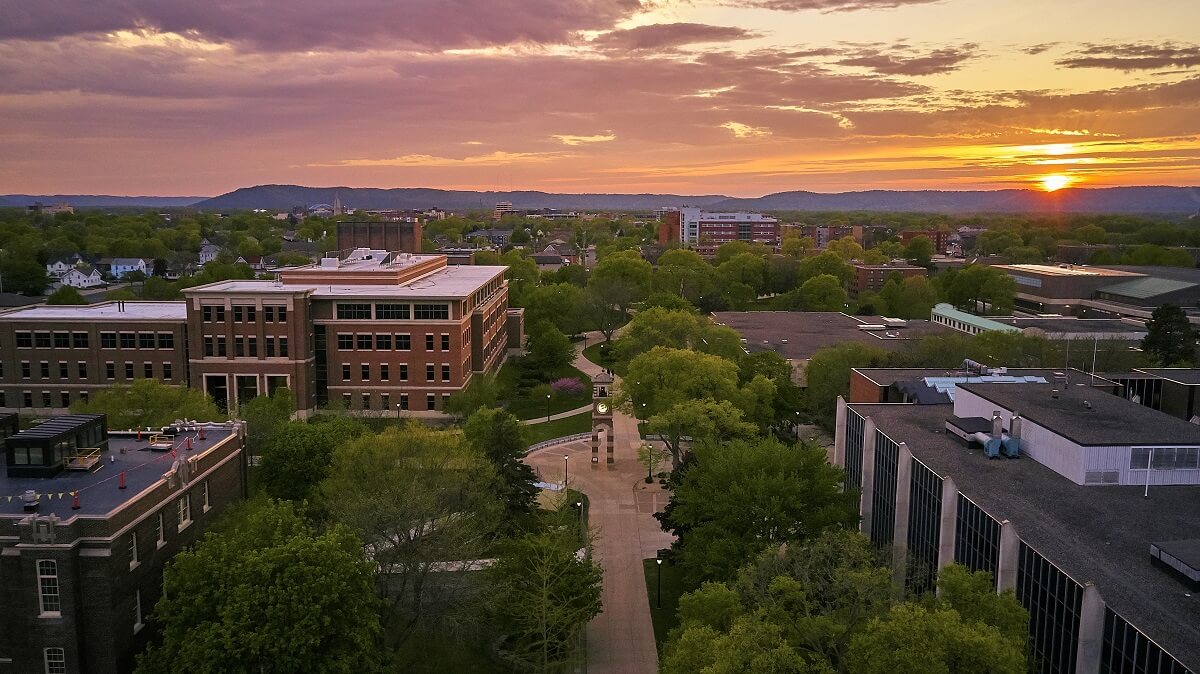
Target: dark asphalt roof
[1100,534]
[1111,420]
[885,376]
[99,491]
[1073,325]
[56,426]
[1183,375]
[807,332]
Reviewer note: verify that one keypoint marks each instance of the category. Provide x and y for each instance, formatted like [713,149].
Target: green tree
[22,274]
[299,455]
[979,285]
[745,268]
[797,246]
[482,392]
[618,282]
[846,248]
[65,295]
[823,293]
[913,638]
[549,350]
[750,645]
[149,403]
[1170,336]
[919,250]
[1091,234]
[266,592]
[658,327]
[826,263]
[684,273]
[662,378]
[738,498]
[497,435]
[828,376]
[543,595]
[695,421]
[912,297]
[560,304]
[264,415]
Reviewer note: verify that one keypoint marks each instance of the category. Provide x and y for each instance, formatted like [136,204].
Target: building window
[184,504]
[46,399]
[431,312]
[283,347]
[62,370]
[363,342]
[110,370]
[429,372]
[282,313]
[345,341]
[268,314]
[47,575]
[403,372]
[1054,602]
[391,311]
[445,372]
[345,371]
[366,401]
[82,369]
[366,372]
[239,347]
[166,340]
[206,314]
[25,340]
[83,397]
[148,370]
[403,342]
[55,660]
[133,550]
[354,311]
[128,370]
[346,400]
[25,374]
[383,372]
[385,402]
[430,401]
[204,492]
[428,342]
[137,611]
[79,340]
[252,343]
[42,340]
[221,346]
[208,347]
[160,530]
[27,399]
[237,314]
[445,342]
[445,399]
[270,347]
[252,314]
[166,370]
[146,340]
[128,340]
[65,398]
[383,342]
[403,401]
[44,368]
[1163,458]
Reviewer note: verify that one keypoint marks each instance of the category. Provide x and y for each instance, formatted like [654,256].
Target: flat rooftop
[1073,325]
[1100,534]
[807,332]
[1180,375]
[99,492]
[1110,420]
[1070,270]
[125,310]
[446,282]
[886,376]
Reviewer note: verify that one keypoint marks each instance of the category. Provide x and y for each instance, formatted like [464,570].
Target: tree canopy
[149,402]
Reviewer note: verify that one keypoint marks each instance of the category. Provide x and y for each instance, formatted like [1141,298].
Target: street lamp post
[547,407]
[658,591]
[565,457]
[397,411]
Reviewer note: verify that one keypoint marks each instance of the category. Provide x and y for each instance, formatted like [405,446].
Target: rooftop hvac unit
[329,263]
[871,327]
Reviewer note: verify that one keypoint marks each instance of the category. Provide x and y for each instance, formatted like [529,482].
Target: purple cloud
[1133,56]
[664,36]
[900,60]
[827,5]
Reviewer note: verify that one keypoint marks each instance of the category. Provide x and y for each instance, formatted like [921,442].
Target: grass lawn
[432,650]
[524,405]
[597,353]
[666,618]
[580,423]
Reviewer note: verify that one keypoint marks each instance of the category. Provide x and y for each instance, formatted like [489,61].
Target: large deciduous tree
[267,592]
[297,455]
[549,350]
[498,436]
[149,402]
[696,421]
[1170,336]
[618,281]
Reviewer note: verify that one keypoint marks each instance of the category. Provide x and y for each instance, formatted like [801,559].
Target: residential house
[255,261]
[120,266]
[208,252]
[57,268]
[82,275]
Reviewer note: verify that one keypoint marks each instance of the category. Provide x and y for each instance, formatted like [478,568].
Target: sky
[736,97]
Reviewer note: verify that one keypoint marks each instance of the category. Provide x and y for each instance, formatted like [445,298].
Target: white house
[57,268]
[82,276]
[123,265]
[208,253]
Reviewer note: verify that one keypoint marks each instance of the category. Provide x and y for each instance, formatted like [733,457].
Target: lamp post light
[658,591]
[579,504]
[397,411]
[565,457]
[547,407]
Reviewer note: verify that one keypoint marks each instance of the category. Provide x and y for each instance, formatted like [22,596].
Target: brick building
[939,238]
[77,584]
[871,277]
[379,332]
[822,235]
[397,233]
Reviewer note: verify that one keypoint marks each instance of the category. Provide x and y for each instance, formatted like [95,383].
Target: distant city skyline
[737,97]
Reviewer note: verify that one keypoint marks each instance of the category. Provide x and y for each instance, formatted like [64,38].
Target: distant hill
[286,196]
[96,200]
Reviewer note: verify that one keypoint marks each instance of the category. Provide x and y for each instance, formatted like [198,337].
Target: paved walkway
[559,415]
[621,638]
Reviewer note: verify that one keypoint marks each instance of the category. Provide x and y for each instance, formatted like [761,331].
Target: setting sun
[1056,182]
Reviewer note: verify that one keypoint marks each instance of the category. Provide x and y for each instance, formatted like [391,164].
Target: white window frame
[43,595]
[204,490]
[184,506]
[138,624]
[162,530]
[59,664]
[133,550]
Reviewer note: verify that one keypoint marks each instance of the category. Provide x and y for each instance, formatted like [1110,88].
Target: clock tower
[602,416]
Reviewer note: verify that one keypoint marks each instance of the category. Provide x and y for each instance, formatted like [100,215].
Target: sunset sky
[738,97]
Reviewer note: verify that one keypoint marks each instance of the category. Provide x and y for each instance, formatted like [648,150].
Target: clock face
[602,408]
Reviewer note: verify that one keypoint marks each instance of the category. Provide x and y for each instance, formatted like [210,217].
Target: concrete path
[559,415]
[621,638]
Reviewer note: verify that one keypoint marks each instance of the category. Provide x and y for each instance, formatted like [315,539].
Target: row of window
[385,372]
[108,340]
[1164,458]
[57,340]
[244,314]
[273,347]
[64,398]
[391,311]
[385,401]
[347,341]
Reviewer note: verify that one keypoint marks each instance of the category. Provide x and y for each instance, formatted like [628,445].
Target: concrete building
[871,277]
[1173,390]
[1103,292]
[699,226]
[1093,528]
[402,235]
[933,386]
[502,209]
[378,332]
[88,518]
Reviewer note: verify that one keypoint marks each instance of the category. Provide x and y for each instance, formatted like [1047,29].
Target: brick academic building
[378,332]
